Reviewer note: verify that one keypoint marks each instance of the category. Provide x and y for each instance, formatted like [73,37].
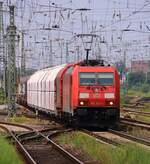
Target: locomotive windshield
[96,78]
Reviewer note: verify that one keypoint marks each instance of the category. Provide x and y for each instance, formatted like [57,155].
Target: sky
[50,27]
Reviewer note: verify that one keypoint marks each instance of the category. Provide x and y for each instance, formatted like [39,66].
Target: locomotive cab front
[98,96]
[96,89]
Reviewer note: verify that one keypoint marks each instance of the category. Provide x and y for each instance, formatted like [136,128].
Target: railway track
[6,124]
[101,138]
[5,113]
[110,137]
[44,150]
[147,114]
[37,147]
[130,137]
[135,123]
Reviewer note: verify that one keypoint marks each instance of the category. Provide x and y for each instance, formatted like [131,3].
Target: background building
[140,66]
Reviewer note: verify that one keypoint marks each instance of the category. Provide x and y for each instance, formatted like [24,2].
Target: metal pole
[11,73]
[2,65]
[67,53]
[124,72]
[5,66]
[22,55]
[87,55]
[51,54]
[61,51]
[78,51]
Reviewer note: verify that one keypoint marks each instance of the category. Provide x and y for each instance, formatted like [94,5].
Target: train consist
[84,94]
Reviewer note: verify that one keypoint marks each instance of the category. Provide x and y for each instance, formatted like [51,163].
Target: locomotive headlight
[81,103]
[111,103]
[84,95]
[109,95]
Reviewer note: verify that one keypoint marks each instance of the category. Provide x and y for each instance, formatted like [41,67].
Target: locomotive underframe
[97,117]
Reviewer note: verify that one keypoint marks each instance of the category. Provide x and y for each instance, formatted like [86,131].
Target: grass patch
[138,132]
[135,93]
[143,118]
[102,153]
[130,95]
[146,108]
[2,97]
[122,98]
[133,96]
[23,119]
[8,154]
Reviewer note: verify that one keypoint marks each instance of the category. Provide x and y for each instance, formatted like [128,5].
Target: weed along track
[46,143]
[138,112]
[135,123]
[56,144]
[130,137]
[101,138]
[115,138]
[100,146]
[135,128]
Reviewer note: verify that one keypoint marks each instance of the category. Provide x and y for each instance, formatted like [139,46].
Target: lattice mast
[11,72]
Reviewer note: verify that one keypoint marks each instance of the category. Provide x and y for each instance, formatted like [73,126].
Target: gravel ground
[14,128]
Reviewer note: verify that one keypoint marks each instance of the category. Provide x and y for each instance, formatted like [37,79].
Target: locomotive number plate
[96,95]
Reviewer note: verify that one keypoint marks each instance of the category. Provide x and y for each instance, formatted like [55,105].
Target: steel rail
[33,132]
[4,113]
[130,137]
[26,115]
[4,128]
[22,149]
[101,138]
[147,114]
[17,125]
[63,151]
[135,123]
[37,134]
[56,146]
[19,146]
[25,153]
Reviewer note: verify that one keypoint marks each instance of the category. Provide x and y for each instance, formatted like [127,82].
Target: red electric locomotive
[89,95]
[84,94]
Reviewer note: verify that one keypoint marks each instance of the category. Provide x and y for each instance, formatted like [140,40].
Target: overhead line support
[11,71]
